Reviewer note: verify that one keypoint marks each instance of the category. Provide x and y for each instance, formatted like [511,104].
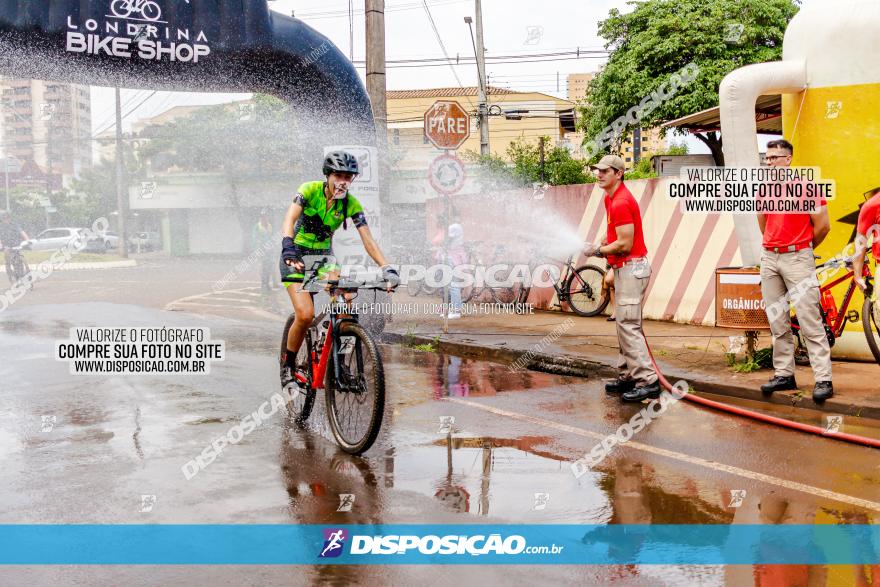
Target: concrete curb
[74,266]
[579,366]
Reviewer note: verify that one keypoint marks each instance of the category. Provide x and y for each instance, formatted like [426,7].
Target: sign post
[447,126]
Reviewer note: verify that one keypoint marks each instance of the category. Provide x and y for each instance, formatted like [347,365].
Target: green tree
[660,37]
[523,164]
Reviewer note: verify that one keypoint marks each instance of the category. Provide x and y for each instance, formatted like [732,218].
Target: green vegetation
[659,37]
[762,359]
[523,164]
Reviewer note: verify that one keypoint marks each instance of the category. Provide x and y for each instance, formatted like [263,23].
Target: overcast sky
[511,27]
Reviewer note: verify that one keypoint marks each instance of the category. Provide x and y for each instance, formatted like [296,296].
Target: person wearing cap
[788,263]
[868,226]
[624,248]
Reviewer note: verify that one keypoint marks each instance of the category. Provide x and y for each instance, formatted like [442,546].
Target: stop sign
[447,124]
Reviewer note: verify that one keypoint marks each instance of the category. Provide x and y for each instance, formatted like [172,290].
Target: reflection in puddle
[453,376]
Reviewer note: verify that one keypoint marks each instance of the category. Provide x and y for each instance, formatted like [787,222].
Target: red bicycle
[339,356]
[835,318]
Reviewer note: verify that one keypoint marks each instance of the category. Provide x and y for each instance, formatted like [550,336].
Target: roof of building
[445,92]
[768,117]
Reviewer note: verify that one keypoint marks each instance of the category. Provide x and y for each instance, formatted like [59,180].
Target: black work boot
[642,392]
[779,383]
[620,386]
[822,391]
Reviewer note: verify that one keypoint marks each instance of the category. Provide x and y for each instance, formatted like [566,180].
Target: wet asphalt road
[116,439]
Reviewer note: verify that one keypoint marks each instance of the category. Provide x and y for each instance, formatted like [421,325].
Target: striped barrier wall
[684,250]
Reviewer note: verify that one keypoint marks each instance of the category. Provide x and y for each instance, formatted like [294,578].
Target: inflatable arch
[192,45]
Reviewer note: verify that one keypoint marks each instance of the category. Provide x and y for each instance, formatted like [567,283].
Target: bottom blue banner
[438,544]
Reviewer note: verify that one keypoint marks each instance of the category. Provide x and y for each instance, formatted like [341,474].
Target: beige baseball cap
[609,161]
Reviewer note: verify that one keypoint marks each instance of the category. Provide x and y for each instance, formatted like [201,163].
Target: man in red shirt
[868,226]
[788,272]
[624,247]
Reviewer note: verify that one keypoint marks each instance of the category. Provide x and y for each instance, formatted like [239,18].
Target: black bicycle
[17,266]
[339,356]
[581,287]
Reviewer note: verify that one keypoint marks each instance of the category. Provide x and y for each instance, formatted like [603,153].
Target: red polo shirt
[621,209]
[868,217]
[786,229]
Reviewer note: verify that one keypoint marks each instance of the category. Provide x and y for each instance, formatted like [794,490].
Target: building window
[629,159]
[396,136]
[425,139]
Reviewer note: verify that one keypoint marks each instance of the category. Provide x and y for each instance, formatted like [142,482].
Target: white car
[51,239]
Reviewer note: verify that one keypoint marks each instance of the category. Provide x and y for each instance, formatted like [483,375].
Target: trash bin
[738,300]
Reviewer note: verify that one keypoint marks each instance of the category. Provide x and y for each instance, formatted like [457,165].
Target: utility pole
[481,71]
[120,180]
[374,15]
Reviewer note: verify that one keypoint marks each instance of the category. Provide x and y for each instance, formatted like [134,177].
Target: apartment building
[48,123]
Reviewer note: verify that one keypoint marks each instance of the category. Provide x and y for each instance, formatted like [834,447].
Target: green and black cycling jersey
[317,223]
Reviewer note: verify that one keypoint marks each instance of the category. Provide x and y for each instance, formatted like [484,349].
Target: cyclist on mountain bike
[11,235]
[317,211]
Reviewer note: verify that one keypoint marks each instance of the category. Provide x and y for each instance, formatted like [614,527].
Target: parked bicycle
[17,266]
[503,294]
[835,318]
[339,356]
[581,286]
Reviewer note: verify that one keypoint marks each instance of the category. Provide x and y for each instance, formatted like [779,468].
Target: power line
[443,48]
[129,113]
[128,100]
[321,14]
[471,60]
[463,62]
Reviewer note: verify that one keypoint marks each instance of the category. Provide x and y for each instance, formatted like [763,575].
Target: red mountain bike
[339,356]
[835,318]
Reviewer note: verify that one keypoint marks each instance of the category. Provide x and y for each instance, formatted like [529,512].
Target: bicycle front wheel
[300,398]
[151,11]
[584,287]
[870,322]
[355,391]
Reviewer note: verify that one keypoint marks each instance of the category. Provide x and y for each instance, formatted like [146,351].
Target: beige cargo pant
[792,276]
[633,361]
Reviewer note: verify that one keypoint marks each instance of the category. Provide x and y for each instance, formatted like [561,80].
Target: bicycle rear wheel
[584,287]
[871,325]
[22,268]
[356,399]
[300,398]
